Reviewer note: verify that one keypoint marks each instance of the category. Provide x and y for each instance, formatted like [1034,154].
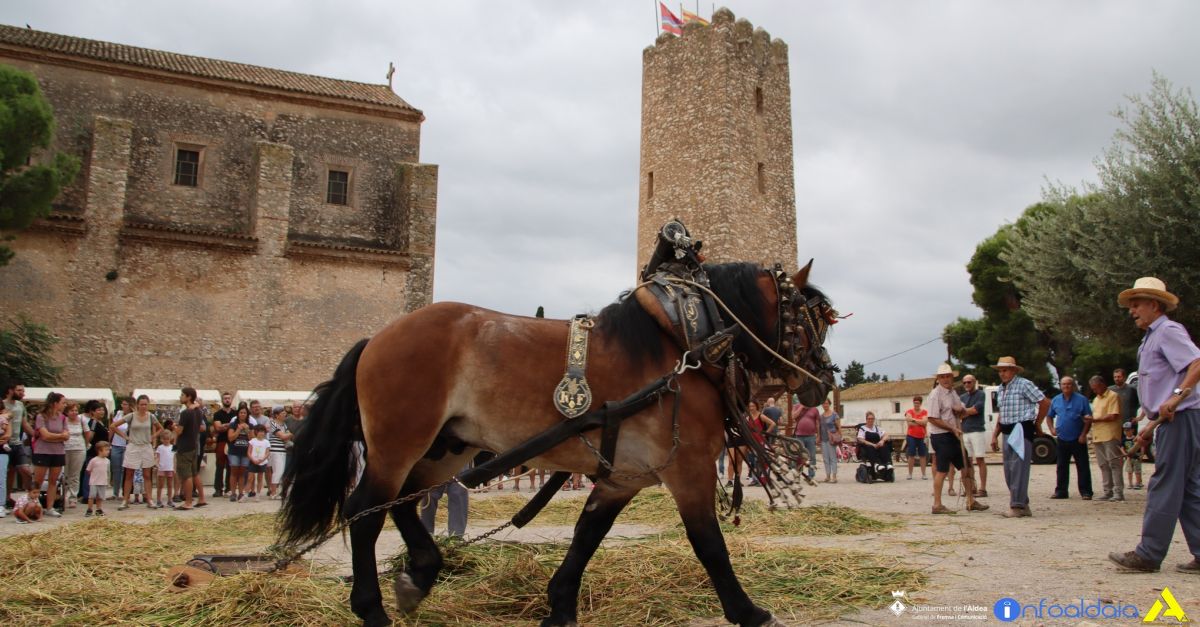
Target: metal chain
[285,561]
[486,535]
[670,456]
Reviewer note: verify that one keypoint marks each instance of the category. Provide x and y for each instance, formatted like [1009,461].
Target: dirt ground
[972,560]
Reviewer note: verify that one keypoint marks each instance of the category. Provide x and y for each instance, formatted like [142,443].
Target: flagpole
[657,21]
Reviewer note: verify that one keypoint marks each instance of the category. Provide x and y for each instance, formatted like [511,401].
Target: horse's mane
[736,283]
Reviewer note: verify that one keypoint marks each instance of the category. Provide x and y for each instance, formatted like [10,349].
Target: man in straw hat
[1168,369]
[945,410]
[1022,406]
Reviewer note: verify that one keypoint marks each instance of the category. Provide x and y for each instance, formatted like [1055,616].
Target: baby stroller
[875,464]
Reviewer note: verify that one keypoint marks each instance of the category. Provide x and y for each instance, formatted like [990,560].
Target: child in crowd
[139,487]
[165,457]
[98,473]
[26,510]
[260,450]
[1133,464]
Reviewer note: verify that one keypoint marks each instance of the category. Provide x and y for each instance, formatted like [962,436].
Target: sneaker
[1191,568]
[232,498]
[158,505]
[122,507]
[242,499]
[151,505]
[20,522]
[255,499]
[1018,512]
[976,506]
[1058,496]
[1103,497]
[1117,498]
[1130,560]
[1086,497]
[253,494]
[53,513]
[87,514]
[3,512]
[177,499]
[99,512]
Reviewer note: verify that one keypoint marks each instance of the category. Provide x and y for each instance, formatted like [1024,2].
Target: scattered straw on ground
[657,581]
[102,572]
[655,507]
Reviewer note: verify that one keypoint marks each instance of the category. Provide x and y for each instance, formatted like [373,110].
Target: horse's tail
[323,462]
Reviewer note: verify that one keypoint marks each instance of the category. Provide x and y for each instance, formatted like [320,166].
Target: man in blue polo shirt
[1067,412]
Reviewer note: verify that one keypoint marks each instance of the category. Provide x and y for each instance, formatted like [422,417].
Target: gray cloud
[920,127]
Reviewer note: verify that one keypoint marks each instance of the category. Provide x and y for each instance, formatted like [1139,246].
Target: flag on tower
[670,23]
[689,17]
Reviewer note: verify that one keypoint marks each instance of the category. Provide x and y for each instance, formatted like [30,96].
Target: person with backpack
[142,427]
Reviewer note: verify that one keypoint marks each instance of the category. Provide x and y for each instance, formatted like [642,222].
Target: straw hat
[1007,362]
[945,369]
[1152,288]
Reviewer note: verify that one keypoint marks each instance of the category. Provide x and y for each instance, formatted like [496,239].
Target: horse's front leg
[695,495]
[602,508]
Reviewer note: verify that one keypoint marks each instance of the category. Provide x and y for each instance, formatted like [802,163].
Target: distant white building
[888,400]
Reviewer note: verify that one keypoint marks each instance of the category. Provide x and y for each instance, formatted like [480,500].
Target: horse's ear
[801,278]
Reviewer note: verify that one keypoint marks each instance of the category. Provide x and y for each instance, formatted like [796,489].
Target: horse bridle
[805,336]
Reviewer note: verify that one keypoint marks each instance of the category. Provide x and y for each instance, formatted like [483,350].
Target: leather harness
[673,277]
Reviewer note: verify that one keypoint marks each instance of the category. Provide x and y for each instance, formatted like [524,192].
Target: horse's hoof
[408,595]
[377,619]
[773,622]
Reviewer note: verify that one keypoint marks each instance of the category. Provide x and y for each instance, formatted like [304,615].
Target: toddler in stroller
[874,454]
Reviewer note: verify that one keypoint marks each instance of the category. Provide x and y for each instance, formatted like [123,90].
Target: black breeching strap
[611,412]
[539,500]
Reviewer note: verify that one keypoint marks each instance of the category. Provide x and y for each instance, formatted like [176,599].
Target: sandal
[942,509]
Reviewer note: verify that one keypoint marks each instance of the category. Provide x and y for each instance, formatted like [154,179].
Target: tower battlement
[716,144]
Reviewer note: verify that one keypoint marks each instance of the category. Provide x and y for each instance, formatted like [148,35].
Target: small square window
[895,408]
[650,185]
[187,167]
[762,179]
[338,190]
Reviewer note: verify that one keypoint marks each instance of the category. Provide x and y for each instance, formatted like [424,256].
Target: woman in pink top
[49,449]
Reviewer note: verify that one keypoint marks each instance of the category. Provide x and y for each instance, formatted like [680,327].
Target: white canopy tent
[37,396]
[170,396]
[268,398]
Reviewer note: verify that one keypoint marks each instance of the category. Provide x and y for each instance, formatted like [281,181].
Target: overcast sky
[920,127]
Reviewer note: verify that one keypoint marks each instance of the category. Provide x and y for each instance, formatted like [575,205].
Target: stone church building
[232,226]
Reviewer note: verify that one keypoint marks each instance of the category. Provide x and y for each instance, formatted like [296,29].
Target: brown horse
[440,384]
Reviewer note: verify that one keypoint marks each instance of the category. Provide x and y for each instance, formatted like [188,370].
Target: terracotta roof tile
[888,389]
[202,67]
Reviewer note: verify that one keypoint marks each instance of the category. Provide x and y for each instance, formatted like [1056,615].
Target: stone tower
[717,142]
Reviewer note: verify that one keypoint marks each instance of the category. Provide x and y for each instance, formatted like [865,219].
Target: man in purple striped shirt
[1168,370]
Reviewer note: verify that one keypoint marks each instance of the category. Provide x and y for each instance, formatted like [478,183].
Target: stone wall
[719,160]
[249,280]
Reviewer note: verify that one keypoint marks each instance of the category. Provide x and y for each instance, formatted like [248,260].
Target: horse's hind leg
[365,598]
[695,498]
[424,558]
[602,508]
